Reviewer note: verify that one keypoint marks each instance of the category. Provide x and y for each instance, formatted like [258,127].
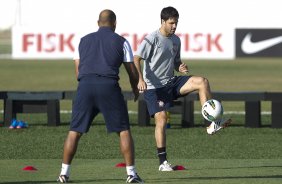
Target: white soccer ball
[212,110]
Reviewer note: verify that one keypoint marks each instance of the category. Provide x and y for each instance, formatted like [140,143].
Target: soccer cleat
[63,179]
[217,125]
[21,124]
[14,124]
[165,166]
[134,179]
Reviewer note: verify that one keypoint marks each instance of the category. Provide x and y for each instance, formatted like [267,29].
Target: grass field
[212,171]
[232,75]
[235,155]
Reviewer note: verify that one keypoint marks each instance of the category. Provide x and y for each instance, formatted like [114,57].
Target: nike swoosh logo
[250,47]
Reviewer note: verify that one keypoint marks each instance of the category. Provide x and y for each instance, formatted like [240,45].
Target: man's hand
[142,86]
[183,68]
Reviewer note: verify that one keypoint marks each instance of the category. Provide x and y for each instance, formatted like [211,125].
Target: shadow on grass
[175,180]
[105,180]
[155,180]
[246,167]
[31,182]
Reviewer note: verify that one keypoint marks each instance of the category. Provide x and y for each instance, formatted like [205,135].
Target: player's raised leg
[201,84]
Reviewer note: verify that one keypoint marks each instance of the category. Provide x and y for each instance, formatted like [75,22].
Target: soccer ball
[212,110]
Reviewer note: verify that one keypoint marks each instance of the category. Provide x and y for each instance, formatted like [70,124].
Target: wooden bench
[39,102]
[49,102]
[32,102]
[185,106]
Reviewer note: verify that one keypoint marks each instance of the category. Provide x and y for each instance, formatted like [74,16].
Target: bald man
[101,53]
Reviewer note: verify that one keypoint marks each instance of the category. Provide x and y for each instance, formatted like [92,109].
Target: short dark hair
[169,12]
[107,17]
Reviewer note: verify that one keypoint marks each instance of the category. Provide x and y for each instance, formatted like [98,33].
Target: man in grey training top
[160,52]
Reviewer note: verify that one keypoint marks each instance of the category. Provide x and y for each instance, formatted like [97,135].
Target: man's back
[101,53]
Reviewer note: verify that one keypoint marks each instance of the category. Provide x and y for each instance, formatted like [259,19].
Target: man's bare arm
[76,63]
[142,86]
[133,77]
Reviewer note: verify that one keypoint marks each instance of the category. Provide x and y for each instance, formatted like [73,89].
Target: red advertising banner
[61,44]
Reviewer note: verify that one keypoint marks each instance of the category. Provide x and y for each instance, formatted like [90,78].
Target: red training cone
[29,168]
[121,164]
[179,168]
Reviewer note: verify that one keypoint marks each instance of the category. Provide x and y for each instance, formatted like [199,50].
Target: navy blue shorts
[99,94]
[161,99]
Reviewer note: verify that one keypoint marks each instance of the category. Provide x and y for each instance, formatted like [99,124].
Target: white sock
[130,170]
[65,170]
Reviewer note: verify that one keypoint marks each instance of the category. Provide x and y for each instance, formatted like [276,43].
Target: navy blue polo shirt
[101,53]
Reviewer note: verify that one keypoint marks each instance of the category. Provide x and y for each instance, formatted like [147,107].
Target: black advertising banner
[258,42]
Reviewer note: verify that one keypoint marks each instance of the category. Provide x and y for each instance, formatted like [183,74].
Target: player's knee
[204,82]
[160,119]
[160,124]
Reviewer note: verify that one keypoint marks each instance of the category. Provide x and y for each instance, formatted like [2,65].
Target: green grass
[37,75]
[212,171]
[41,142]
[261,74]
[5,42]
[235,155]
[234,75]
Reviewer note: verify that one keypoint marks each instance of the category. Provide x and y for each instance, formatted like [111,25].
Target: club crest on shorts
[161,103]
